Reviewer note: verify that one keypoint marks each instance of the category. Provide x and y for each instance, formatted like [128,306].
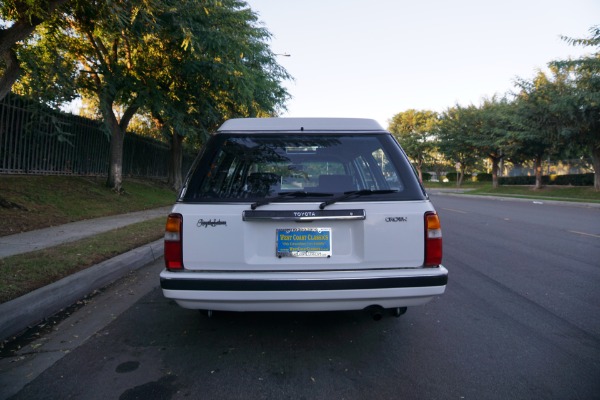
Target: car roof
[300,125]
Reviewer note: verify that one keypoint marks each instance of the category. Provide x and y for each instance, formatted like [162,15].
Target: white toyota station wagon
[303,214]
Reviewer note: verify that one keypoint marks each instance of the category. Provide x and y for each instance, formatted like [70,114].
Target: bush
[517,180]
[574,179]
[482,177]
[426,176]
[451,176]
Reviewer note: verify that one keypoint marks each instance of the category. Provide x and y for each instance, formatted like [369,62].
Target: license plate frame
[303,242]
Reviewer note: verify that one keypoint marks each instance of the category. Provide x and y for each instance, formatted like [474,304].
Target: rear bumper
[303,291]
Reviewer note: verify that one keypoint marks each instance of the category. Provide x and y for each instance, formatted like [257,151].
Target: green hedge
[518,180]
[426,176]
[482,177]
[574,180]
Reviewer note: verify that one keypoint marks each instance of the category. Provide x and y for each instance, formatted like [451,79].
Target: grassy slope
[34,202]
[550,192]
[27,272]
[566,193]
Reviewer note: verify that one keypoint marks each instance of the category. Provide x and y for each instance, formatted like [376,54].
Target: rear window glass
[251,167]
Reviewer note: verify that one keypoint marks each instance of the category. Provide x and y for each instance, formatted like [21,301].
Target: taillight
[433,240]
[173,242]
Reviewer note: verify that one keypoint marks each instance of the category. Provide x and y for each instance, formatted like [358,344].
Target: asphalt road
[519,320]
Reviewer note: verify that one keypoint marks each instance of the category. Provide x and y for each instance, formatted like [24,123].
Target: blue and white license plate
[304,242]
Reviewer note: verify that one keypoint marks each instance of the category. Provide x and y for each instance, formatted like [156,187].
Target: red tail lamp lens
[433,240]
[173,242]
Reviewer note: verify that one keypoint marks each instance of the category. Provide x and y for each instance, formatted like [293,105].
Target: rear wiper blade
[281,195]
[355,193]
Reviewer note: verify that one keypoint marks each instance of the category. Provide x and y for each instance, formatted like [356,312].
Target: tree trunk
[117,131]
[495,168]
[460,174]
[438,171]
[175,175]
[419,172]
[596,162]
[8,39]
[11,73]
[115,167]
[115,171]
[538,172]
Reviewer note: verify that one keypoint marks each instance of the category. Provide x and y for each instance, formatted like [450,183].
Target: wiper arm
[355,193]
[298,193]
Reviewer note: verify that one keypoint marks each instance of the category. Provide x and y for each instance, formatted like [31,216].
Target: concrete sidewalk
[28,310]
[35,240]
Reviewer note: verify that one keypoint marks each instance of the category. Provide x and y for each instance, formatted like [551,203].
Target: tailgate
[300,237]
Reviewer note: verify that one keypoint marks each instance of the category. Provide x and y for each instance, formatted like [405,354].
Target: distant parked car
[294,214]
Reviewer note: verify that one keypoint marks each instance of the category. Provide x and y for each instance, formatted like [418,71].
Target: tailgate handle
[304,215]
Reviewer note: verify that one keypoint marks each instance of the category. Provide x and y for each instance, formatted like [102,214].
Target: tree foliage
[215,64]
[541,118]
[491,136]
[553,113]
[453,132]
[414,130]
[187,65]
[582,104]
[18,20]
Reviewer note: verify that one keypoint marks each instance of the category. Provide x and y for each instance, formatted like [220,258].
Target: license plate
[304,242]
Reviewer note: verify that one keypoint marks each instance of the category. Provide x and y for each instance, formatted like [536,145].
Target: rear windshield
[246,168]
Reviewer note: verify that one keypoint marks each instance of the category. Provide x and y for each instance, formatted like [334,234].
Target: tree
[469,133]
[18,20]
[583,105]
[225,70]
[109,41]
[540,119]
[490,132]
[187,65]
[414,130]
[453,132]
[106,38]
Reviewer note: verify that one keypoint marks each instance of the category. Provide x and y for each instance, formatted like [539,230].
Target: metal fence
[38,140]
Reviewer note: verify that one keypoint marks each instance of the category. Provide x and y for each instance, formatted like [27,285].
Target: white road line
[586,234]
[458,211]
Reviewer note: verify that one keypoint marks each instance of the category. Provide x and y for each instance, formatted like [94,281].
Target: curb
[25,311]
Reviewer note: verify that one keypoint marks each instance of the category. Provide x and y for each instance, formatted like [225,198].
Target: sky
[376,58]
